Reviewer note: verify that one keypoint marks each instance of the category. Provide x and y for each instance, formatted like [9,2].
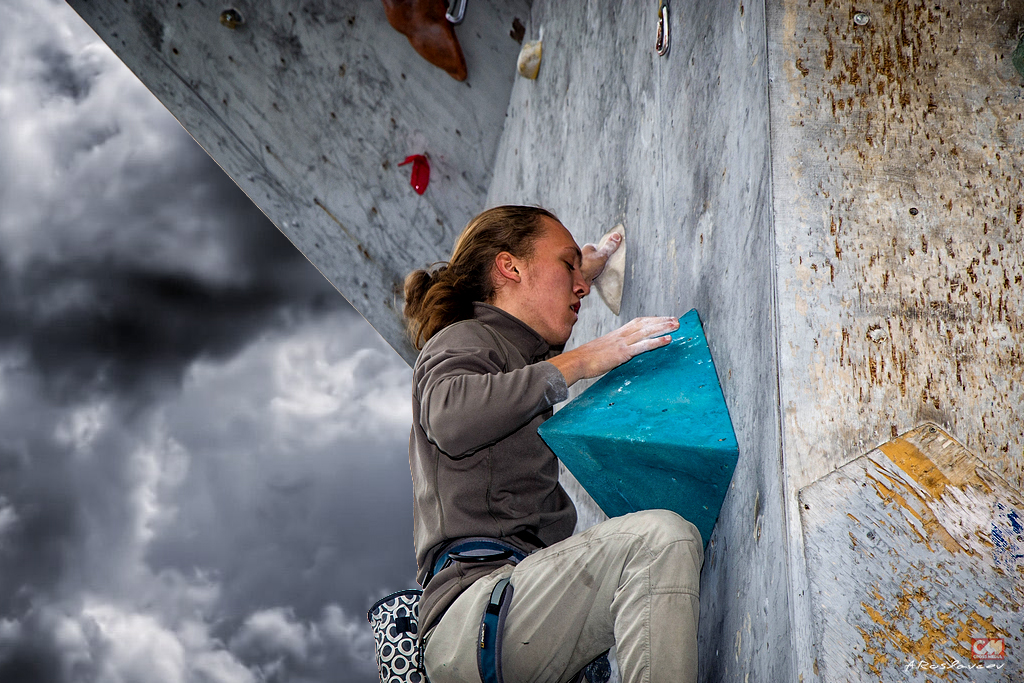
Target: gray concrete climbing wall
[676,148]
[310,105]
[837,189]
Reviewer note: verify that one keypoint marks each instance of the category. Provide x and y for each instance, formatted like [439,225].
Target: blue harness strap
[476,549]
[479,550]
[491,627]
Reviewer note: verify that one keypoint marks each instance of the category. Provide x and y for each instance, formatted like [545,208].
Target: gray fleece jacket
[480,390]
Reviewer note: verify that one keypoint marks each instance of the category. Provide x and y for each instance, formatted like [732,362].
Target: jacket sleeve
[467,402]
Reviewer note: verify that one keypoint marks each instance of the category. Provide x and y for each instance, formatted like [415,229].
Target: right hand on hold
[595,256]
[613,349]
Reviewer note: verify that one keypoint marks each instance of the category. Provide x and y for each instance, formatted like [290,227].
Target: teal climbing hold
[653,433]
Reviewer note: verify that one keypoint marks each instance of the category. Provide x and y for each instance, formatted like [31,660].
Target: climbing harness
[492,627]
[475,550]
[395,618]
[396,628]
[492,631]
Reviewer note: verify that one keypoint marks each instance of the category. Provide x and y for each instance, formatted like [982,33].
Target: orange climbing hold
[424,23]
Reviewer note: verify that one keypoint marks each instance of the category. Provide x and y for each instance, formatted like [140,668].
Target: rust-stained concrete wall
[899,197]
[898,158]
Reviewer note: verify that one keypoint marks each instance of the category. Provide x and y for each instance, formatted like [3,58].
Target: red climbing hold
[420,172]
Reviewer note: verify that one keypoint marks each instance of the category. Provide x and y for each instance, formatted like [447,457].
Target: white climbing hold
[609,283]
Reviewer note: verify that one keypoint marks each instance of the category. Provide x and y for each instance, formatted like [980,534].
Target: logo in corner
[987,648]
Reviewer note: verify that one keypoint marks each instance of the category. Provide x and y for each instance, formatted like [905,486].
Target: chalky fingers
[651,327]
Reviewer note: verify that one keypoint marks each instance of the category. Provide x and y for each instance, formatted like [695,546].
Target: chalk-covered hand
[613,349]
[595,256]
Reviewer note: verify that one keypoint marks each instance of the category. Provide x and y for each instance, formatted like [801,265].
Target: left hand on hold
[595,256]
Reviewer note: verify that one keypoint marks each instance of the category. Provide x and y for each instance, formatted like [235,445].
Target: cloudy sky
[203,467]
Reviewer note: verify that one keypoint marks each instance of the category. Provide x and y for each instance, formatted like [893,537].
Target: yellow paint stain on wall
[982,628]
[912,461]
[874,614]
[983,539]
[921,489]
[901,615]
[1002,602]
[880,643]
[936,637]
[925,516]
[879,657]
[919,538]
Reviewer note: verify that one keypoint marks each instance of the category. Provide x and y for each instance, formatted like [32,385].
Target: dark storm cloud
[109,313]
[203,474]
[125,252]
[62,76]
[37,660]
[266,497]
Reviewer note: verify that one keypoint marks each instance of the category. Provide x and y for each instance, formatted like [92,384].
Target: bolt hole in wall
[231,18]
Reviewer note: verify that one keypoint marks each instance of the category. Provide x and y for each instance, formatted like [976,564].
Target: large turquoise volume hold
[654,433]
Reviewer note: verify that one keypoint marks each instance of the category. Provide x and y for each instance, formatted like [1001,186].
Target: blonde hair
[444,293]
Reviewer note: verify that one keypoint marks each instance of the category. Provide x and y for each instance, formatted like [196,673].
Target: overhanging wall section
[310,105]
[676,148]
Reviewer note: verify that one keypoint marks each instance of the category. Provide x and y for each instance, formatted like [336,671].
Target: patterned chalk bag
[395,623]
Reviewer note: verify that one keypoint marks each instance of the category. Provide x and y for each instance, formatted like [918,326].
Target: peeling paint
[930,558]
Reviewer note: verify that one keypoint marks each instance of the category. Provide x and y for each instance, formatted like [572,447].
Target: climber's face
[545,290]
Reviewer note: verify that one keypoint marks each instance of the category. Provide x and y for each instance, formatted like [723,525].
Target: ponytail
[444,293]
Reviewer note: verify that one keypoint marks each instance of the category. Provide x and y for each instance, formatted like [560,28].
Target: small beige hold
[529,59]
[609,283]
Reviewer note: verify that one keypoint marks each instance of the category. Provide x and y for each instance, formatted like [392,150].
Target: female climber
[493,528]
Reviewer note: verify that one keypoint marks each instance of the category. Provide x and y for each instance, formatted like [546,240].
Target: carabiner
[456,12]
[662,44]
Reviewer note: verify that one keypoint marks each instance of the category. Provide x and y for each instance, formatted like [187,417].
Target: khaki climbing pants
[631,582]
